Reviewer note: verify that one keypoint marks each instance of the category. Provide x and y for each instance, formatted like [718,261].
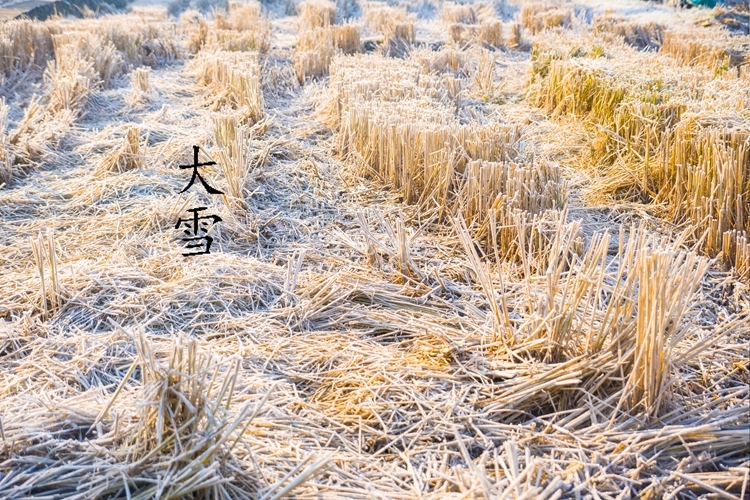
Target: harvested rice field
[358,249]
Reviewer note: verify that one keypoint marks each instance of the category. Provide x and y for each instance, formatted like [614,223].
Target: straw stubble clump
[716,50]
[234,81]
[83,62]
[539,16]
[489,34]
[410,138]
[442,268]
[24,43]
[642,35]
[317,47]
[244,26]
[316,14]
[127,156]
[672,147]
[381,17]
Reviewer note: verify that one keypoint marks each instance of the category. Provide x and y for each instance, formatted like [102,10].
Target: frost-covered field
[483,250]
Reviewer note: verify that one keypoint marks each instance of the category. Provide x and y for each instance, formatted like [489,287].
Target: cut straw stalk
[141,87]
[316,14]
[539,16]
[46,251]
[484,76]
[236,79]
[667,283]
[234,157]
[140,80]
[6,157]
[316,48]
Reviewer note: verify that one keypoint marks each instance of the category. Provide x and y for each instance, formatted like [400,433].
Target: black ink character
[195,226]
[195,166]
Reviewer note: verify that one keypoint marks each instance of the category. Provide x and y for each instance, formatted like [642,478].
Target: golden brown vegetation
[489,33]
[128,156]
[539,16]
[316,14]
[401,125]
[316,48]
[244,27]
[23,43]
[463,14]
[663,144]
[714,50]
[442,270]
[234,80]
[381,17]
[647,35]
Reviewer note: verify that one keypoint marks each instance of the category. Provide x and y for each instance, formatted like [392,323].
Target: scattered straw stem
[185,432]
[372,354]
[501,318]
[6,157]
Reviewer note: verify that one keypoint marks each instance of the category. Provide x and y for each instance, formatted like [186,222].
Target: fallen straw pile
[173,427]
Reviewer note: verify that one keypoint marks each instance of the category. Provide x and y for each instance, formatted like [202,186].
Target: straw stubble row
[660,140]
